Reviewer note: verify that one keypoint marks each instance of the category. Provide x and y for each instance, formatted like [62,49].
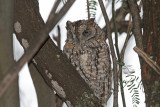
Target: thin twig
[122,54]
[127,38]
[33,49]
[88,9]
[115,30]
[148,60]
[117,51]
[122,59]
[121,23]
[115,76]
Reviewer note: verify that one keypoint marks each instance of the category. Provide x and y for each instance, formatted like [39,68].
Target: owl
[88,51]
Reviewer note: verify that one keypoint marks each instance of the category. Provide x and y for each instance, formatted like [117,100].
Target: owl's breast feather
[84,58]
[69,45]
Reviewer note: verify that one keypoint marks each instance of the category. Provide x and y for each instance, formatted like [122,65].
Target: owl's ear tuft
[92,19]
[68,24]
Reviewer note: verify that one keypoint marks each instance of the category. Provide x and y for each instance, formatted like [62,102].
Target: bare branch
[136,22]
[122,24]
[31,51]
[122,60]
[115,76]
[53,65]
[115,30]
[88,9]
[55,7]
[58,38]
[127,38]
[148,60]
[11,97]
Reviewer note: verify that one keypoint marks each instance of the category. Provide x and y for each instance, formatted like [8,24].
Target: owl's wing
[67,49]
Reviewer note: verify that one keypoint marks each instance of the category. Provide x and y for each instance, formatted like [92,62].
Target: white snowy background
[77,12]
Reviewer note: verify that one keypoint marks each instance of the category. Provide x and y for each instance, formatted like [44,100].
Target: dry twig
[88,9]
[121,23]
[122,59]
[127,38]
[148,60]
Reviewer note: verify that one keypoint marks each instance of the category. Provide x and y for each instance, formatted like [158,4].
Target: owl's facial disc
[80,31]
[87,34]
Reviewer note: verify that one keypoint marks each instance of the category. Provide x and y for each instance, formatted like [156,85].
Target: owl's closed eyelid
[86,32]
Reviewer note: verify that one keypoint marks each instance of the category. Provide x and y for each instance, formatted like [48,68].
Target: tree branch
[147,59]
[115,76]
[53,65]
[11,97]
[88,11]
[31,51]
[122,61]
[136,22]
[122,24]
[58,37]
[115,30]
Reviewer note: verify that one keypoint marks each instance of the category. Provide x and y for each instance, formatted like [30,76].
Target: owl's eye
[85,32]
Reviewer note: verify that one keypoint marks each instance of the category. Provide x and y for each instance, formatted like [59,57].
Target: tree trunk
[151,44]
[11,97]
[45,95]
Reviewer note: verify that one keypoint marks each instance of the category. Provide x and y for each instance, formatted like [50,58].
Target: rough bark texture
[50,61]
[151,44]
[11,97]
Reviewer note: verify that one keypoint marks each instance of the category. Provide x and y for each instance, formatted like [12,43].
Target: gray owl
[89,53]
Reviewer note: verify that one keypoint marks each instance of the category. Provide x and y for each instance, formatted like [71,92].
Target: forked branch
[33,49]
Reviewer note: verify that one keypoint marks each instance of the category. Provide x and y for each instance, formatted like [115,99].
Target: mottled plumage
[89,53]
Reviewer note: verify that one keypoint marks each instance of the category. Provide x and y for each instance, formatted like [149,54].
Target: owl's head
[83,31]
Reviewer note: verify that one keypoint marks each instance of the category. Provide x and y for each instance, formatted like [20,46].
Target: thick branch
[53,65]
[11,97]
[136,22]
[58,37]
[31,50]
[127,38]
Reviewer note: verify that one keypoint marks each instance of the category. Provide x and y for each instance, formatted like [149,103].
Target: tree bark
[151,44]
[11,97]
[52,64]
[45,95]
